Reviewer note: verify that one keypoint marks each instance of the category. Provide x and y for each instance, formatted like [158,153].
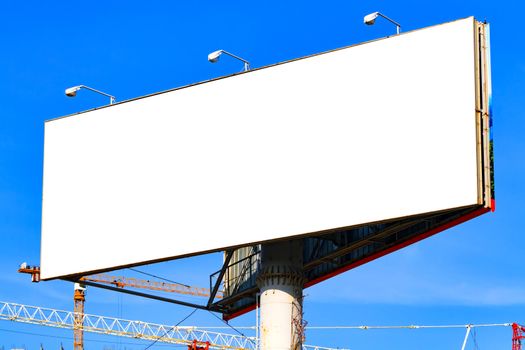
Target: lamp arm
[246,63]
[111,97]
[391,20]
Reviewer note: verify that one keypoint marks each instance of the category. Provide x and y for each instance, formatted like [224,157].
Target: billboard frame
[485,183]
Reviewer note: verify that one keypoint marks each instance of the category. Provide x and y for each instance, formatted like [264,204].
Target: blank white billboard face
[367,133]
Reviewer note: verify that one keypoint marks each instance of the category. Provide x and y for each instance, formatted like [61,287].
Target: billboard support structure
[281,294]
[215,289]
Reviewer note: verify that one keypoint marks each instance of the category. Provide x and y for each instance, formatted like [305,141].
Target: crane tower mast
[78,312]
[518,334]
[79,297]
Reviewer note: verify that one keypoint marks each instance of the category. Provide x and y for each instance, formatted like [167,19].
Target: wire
[36,334]
[367,327]
[412,326]
[162,336]
[165,279]
[232,327]
[70,338]
[474,339]
[119,305]
[223,327]
[160,278]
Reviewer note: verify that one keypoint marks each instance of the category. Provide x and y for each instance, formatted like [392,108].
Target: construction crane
[124,328]
[151,285]
[517,336]
[121,282]
[193,337]
[118,281]
[78,320]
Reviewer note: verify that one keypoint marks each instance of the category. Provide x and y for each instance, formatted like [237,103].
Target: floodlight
[72,92]
[214,57]
[370,19]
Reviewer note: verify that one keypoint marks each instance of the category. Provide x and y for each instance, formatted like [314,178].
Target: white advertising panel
[367,133]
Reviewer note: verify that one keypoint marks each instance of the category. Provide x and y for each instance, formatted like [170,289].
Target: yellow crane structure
[117,281]
[189,336]
[132,282]
[122,282]
[78,320]
[193,337]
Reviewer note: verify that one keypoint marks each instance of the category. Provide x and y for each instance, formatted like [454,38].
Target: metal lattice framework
[121,282]
[125,328]
[128,328]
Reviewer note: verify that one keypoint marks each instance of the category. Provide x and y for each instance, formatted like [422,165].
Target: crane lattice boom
[131,329]
[121,282]
[122,327]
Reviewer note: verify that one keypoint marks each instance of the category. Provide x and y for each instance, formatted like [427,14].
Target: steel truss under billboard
[357,151]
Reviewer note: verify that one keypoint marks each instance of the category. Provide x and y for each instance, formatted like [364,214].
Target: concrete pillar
[281,284]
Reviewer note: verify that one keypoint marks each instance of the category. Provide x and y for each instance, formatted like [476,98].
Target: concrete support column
[281,284]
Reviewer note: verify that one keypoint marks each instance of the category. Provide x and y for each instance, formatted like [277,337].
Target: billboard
[369,134]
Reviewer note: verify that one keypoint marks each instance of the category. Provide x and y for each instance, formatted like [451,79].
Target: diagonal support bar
[469,327]
[215,289]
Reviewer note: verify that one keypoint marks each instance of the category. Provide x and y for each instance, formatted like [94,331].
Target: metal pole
[281,284]
[257,296]
[398,26]
[466,337]
[111,97]
[246,63]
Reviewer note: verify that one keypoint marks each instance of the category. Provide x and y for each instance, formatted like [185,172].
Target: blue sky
[472,273]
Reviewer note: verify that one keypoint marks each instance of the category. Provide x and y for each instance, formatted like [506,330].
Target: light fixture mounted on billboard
[214,57]
[72,92]
[370,19]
